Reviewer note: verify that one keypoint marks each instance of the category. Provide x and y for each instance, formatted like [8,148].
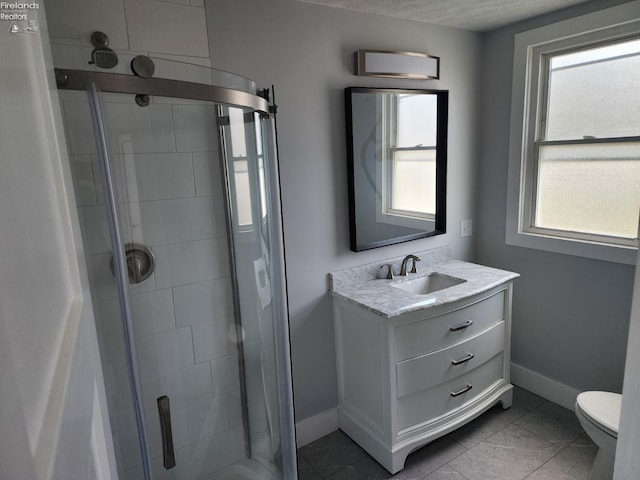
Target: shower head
[102,56]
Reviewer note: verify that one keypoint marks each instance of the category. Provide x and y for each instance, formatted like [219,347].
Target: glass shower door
[248,149]
[198,214]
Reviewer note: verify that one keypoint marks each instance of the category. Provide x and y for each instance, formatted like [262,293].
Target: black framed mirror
[397,162]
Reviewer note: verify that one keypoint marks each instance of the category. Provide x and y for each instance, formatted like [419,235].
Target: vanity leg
[506,399]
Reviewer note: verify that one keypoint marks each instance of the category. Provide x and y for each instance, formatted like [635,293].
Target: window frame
[532,52]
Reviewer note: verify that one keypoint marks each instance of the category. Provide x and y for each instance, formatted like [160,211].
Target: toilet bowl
[599,415]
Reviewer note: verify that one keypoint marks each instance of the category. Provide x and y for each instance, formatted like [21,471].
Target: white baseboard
[552,390]
[315,427]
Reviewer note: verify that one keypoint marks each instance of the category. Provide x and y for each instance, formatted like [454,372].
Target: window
[578,147]
[586,158]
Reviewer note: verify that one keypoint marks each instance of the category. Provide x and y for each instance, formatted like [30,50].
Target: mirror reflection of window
[238,137]
[243,192]
[411,170]
[261,178]
[240,167]
[247,154]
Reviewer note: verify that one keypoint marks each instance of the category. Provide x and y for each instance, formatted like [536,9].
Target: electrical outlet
[466,228]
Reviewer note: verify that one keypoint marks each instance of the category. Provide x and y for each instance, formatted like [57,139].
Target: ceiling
[477,15]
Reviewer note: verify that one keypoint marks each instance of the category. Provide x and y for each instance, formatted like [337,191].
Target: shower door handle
[168,455]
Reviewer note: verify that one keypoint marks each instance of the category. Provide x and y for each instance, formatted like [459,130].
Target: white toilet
[599,415]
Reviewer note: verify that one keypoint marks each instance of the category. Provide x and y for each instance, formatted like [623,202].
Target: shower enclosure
[178,198]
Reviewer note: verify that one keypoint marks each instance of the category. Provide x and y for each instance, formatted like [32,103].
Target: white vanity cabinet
[407,379]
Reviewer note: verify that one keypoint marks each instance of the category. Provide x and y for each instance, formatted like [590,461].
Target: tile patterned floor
[533,440]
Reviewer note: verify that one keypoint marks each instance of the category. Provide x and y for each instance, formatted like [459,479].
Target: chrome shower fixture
[141,262]
[102,56]
[143,66]
[142,100]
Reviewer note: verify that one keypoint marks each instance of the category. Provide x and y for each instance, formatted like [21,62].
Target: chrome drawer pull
[466,324]
[462,360]
[464,390]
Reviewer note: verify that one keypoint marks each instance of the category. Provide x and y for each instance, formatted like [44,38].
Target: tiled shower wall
[168,173]
[174,29]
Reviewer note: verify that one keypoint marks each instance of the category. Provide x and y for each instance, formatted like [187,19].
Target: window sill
[579,248]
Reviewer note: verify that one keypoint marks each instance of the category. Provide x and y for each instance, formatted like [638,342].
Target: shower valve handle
[134,266]
[141,262]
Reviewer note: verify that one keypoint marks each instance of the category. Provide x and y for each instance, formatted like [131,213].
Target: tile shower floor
[533,440]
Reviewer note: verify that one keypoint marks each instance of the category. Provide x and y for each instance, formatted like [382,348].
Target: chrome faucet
[405,261]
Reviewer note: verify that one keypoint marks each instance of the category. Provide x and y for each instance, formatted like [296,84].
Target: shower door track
[119,83]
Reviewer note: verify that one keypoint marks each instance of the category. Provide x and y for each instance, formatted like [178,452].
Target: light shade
[380,63]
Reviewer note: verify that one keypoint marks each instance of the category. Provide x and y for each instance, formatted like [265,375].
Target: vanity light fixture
[381,63]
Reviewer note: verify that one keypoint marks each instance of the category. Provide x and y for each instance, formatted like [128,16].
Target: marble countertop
[381,297]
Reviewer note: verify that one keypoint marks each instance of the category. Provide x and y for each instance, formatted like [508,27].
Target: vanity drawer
[426,336]
[438,367]
[429,404]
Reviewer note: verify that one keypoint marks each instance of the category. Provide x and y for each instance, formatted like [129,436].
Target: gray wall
[306,51]
[570,314]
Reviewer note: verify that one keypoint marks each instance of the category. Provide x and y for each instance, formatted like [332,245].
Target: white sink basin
[429,284]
